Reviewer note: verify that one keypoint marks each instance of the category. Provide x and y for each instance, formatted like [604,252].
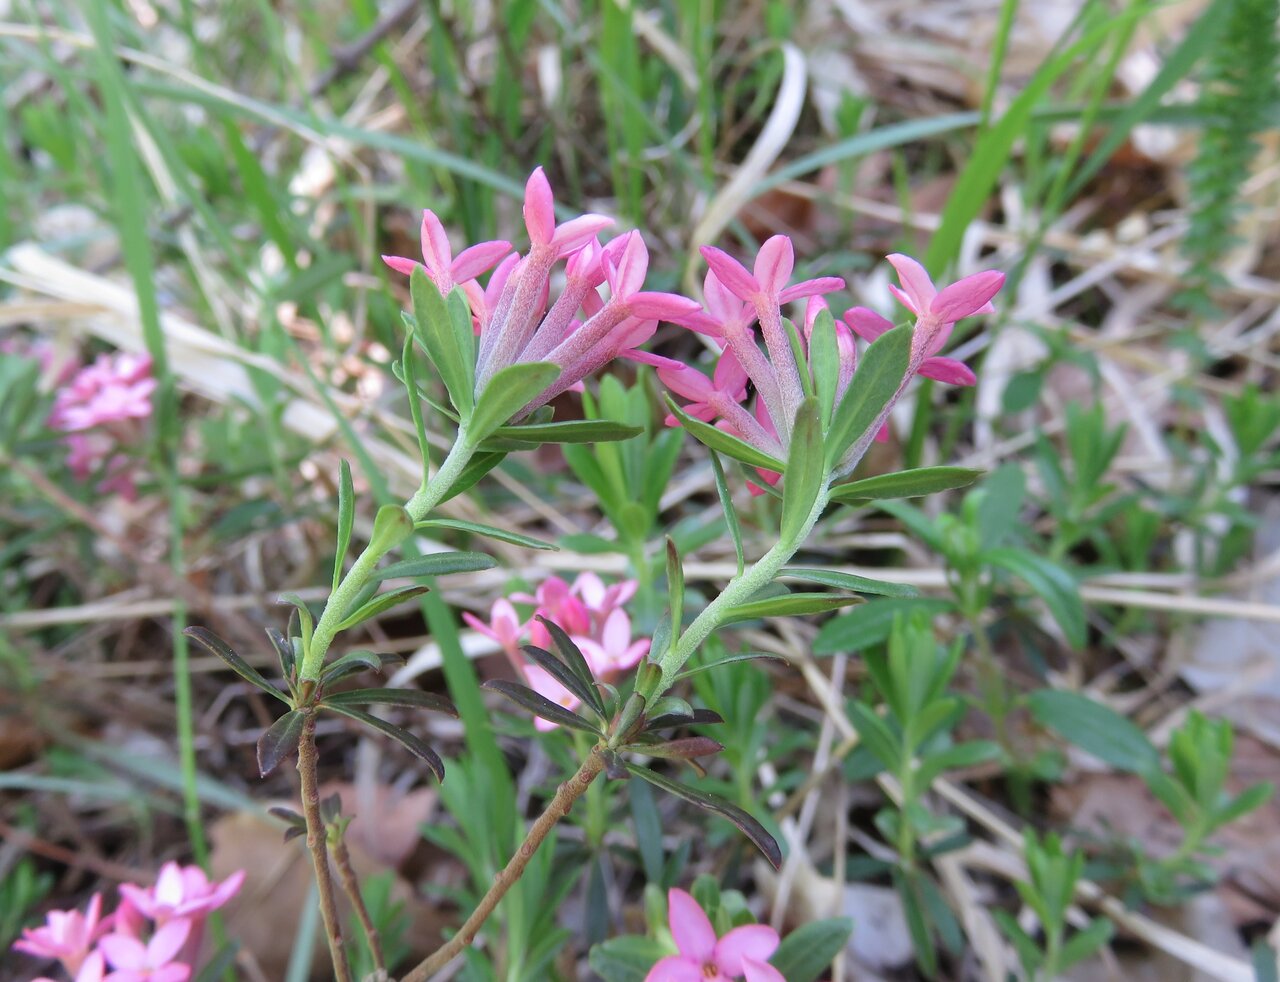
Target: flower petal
[915,282]
[691,928]
[774,264]
[811,288]
[477,259]
[966,297]
[759,971]
[578,231]
[866,323]
[948,370]
[757,941]
[539,208]
[167,942]
[661,306]
[436,252]
[731,273]
[401,264]
[124,951]
[675,968]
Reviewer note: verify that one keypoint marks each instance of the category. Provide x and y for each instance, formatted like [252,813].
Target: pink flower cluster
[581,331]
[737,299]
[153,936]
[102,409]
[588,611]
[742,952]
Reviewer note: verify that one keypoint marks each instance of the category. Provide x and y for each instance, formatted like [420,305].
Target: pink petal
[539,208]
[731,273]
[758,971]
[123,951]
[774,264]
[690,926]
[906,301]
[966,297]
[477,259]
[757,941]
[657,361]
[436,253]
[93,968]
[676,968]
[811,288]
[167,941]
[174,972]
[578,231]
[616,633]
[882,434]
[866,323]
[227,889]
[687,382]
[627,261]
[948,370]
[401,264]
[661,306]
[590,588]
[915,281]
[730,377]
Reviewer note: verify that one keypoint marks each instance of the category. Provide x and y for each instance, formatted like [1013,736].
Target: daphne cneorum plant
[796,413]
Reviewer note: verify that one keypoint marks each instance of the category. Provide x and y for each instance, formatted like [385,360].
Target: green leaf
[540,705]
[480,465]
[875,734]
[279,741]
[1254,796]
[346,518]
[877,379]
[1095,728]
[730,513]
[215,645]
[464,335]
[1054,585]
[685,748]
[1083,944]
[391,526]
[434,329]
[411,742]
[572,656]
[870,625]
[508,392]
[284,651]
[567,677]
[305,622]
[436,564]
[721,441]
[1028,951]
[714,803]
[407,371]
[788,605]
[728,660]
[905,484]
[824,364]
[849,581]
[675,595]
[627,958]
[810,949]
[568,431]
[380,604]
[804,473]
[489,531]
[413,698]
[356,661]
[968,754]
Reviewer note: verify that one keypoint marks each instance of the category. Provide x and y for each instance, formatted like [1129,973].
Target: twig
[565,796]
[317,843]
[351,886]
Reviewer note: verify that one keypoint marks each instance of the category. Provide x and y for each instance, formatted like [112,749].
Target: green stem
[336,607]
[739,590]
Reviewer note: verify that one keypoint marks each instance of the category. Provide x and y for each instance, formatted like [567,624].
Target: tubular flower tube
[581,331]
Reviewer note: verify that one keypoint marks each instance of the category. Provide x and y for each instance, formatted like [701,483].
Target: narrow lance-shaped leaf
[414,698]
[850,581]
[508,392]
[568,431]
[726,444]
[906,484]
[391,526]
[480,465]
[665,721]
[489,531]
[568,678]
[279,741]
[572,656]
[685,748]
[788,605]
[675,592]
[346,518]
[809,950]
[730,513]
[728,660]
[540,705]
[408,374]
[215,645]
[283,648]
[356,661]
[436,564]
[305,621]
[411,742]
[713,802]
[381,604]
[1095,728]
[875,381]
[1054,585]
[824,364]
[435,331]
[805,471]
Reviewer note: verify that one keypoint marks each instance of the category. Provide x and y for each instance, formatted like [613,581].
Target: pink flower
[67,935]
[937,311]
[181,892]
[154,961]
[504,626]
[446,271]
[702,957]
[869,325]
[540,219]
[115,388]
[614,652]
[91,971]
[757,971]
